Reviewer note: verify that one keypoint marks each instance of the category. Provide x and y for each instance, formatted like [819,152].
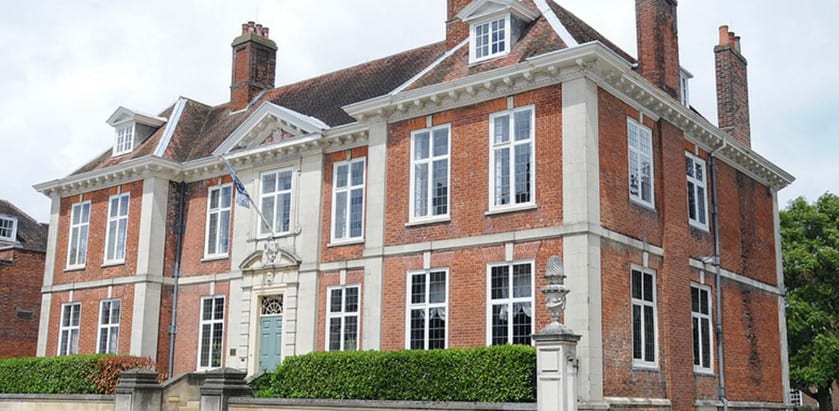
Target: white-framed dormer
[684,86]
[8,228]
[132,128]
[494,26]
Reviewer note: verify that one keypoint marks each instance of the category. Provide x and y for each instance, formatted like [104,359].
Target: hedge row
[490,374]
[77,374]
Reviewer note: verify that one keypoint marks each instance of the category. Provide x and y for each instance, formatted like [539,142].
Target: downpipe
[176,274]
[718,329]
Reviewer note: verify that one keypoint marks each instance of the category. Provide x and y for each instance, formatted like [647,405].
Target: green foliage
[490,374]
[810,244]
[76,374]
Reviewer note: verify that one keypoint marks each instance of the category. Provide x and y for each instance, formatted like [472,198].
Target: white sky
[66,66]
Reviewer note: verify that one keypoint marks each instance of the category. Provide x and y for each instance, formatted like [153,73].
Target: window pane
[440,192]
[689,166]
[636,284]
[521,323]
[502,176]
[421,190]
[269,183]
[351,333]
[438,287]
[649,334]
[82,245]
[284,216]
[421,141]
[499,324]
[213,235]
[226,196]
[340,215]
[334,334]
[694,299]
[224,231]
[691,201]
[500,280]
[207,309]
[268,213]
[437,329]
[214,198]
[86,212]
[636,331]
[501,129]
[441,142]
[521,281]
[700,198]
[351,300]
[356,211]
[703,302]
[417,330]
[341,176]
[357,173]
[648,287]
[706,342]
[646,180]
[284,180]
[696,342]
[335,301]
[522,153]
[522,124]
[123,205]
[219,309]
[418,289]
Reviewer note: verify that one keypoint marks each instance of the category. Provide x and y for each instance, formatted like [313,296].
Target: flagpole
[240,190]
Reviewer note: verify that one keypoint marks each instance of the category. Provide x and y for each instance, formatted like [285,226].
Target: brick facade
[20,291]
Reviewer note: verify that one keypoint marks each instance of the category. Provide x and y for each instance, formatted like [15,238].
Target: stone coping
[404,405]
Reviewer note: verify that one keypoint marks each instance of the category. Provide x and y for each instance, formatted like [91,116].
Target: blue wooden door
[270,341]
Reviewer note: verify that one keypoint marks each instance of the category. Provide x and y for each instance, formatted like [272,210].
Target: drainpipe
[718,331]
[176,274]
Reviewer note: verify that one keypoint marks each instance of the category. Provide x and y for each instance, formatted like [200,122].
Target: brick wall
[189,312]
[332,279]
[20,302]
[89,318]
[338,252]
[469,172]
[195,220]
[94,269]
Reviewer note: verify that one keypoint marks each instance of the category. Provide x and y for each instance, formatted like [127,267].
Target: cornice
[129,171]
[593,61]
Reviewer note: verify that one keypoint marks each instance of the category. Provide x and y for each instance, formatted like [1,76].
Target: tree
[810,244]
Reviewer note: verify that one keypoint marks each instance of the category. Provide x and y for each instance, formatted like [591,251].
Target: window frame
[12,237]
[426,306]
[473,38]
[124,138]
[348,189]
[430,216]
[276,194]
[218,210]
[644,132]
[696,185]
[108,329]
[213,323]
[80,254]
[509,301]
[511,145]
[699,316]
[72,306]
[342,316]
[641,362]
[108,233]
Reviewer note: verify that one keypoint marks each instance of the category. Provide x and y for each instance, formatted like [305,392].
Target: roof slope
[584,33]
[31,235]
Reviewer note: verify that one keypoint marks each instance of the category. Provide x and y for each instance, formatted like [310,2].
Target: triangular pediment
[122,115]
[270,124]
[480,9]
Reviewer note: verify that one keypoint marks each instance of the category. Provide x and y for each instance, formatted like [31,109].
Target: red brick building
[413,201]
[23,243]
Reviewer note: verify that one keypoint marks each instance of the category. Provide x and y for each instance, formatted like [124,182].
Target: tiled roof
[202,128]
[31,235]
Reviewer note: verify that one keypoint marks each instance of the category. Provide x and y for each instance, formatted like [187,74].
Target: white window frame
[71,330]
[426,306]
[511,146]
[698,316]
[510,300]
[348,189]
[117,259]
[218,211]
[213,323]
[644,133]
[275,230]
[124,139]
[641,362]
[697,184]
[342,317]
[429,192]
[473,38]
[110,330]
[9,224]
[82,231]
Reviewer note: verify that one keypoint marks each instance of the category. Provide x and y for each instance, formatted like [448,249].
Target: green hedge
[490,374]
[76,374]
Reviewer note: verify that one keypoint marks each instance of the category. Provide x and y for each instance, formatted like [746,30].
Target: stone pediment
[269,125]
[271,257]
[480,9]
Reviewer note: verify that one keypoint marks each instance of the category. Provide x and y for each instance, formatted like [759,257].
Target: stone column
[219,385]
[556,349]
[137,390]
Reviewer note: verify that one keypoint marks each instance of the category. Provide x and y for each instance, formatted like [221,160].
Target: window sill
[517,208]
[74,268]
[341,243]
[113,263]
[267,237]
[641,204]
[702,372]
[436,220]
[211,258]
[698,227]
[642,366]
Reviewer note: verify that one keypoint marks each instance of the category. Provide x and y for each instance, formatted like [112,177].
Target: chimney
[732,88]
[456,30]
[658,44]
[254,64]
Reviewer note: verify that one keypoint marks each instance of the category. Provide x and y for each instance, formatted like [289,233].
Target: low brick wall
[265,404]
[56,402]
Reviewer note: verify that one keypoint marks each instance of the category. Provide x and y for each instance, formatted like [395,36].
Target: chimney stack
[658,43]
[456,30]
[254,64]
[732,88]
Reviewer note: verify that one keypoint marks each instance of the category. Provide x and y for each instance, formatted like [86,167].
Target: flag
[242,196]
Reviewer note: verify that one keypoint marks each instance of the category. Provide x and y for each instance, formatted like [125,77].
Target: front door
[270,332]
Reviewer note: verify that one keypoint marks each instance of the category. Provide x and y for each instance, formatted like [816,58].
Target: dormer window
[495,26]
[684,90]
[132,128]
[125,139]
[8,228]
[490,38]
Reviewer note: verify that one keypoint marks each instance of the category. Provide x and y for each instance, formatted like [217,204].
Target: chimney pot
[723,35]
[265,32]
